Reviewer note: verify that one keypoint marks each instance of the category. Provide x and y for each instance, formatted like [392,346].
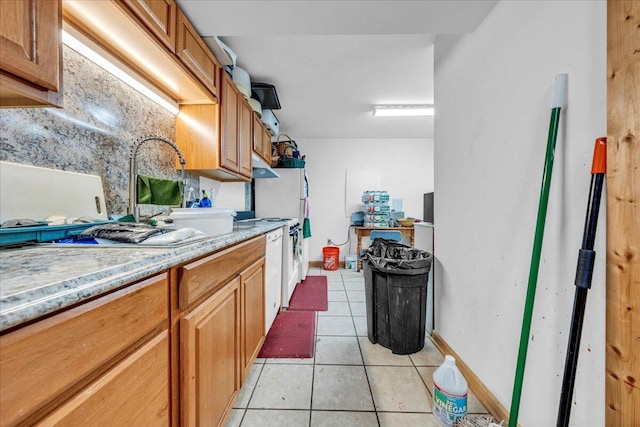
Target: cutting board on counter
[36,193]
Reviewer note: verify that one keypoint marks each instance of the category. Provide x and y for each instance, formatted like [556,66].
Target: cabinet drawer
[56,356]
[209,274]
[135,393]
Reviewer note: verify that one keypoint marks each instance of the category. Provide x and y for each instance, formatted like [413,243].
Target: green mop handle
[556,105]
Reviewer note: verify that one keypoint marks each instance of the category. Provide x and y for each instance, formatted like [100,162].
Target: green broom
[556,105]
[484,420]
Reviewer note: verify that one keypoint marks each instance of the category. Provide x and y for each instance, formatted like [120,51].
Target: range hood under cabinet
[262,170]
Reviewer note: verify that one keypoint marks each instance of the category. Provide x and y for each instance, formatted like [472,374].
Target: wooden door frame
[622,379]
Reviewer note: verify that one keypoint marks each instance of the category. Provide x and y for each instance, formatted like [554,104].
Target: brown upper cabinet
[235,130]
[159,16]
[30,53]
[261,139]
[195,55]
[257,136]
[154,40]
[266,144]
[230,154]
[198,137]
[216,140]
[245,136]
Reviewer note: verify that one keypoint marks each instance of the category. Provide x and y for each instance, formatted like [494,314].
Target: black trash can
[395,280]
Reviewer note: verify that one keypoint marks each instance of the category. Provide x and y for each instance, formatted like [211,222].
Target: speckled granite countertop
[37,280]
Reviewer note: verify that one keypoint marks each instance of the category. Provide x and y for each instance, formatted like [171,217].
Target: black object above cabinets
[266,94]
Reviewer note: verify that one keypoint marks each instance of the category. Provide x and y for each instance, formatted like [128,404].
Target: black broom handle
[584,273]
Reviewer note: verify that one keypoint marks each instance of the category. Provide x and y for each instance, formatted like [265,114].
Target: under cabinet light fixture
[403,110]
[108,65]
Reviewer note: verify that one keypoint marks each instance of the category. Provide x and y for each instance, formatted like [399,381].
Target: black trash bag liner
[124,232]
[392,256]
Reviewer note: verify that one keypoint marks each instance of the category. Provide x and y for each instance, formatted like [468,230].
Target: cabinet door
[229,149]
[196,56]
[257,136]
[30,41]
[261,140]
[210,358]
[252,294]
[245,136]
[197,136]
[266,141]
[135,393]
[159,17]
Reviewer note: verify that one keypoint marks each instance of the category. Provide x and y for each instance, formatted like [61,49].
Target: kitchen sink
[244,225]
[124,245]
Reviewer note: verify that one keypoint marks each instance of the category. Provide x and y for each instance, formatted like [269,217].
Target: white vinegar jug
[449,393]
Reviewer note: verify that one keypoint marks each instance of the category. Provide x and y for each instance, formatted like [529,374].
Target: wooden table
[366,232]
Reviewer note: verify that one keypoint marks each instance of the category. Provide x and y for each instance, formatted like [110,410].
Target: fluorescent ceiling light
[403,110]
[108,65]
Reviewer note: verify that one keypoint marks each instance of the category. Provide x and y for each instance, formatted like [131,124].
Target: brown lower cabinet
[252,297]
[142,356]
[210,354]
[104,360]
[134,393]
[220,336]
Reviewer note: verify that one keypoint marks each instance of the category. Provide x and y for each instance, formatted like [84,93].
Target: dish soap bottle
[205,202]
[191,200]
[449,393]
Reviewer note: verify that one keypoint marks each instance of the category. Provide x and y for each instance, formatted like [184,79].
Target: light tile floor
[350,382]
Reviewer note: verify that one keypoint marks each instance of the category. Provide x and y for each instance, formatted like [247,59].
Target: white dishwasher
[273,275]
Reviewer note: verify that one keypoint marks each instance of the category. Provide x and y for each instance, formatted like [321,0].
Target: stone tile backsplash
[93,133]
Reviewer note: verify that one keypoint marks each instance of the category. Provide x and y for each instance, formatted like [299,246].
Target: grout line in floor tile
[366,374]
[313,367]
[251,394]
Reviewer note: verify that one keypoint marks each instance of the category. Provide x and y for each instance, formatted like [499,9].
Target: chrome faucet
[133,172]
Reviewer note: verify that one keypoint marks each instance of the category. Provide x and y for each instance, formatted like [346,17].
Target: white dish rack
[211,221]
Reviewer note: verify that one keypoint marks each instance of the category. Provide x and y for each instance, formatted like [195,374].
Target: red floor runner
[310,294]
[291,336]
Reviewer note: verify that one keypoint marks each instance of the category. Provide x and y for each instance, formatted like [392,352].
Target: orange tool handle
[599,164]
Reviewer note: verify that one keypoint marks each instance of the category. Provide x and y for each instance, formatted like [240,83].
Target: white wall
[493,97]
[406,172]
[226,194]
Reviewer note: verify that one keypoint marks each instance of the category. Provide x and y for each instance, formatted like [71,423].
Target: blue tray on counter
[42,233]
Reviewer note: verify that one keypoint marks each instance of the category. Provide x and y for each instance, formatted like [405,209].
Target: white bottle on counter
[449,393]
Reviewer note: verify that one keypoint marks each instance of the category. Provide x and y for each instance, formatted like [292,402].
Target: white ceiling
[331,61]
